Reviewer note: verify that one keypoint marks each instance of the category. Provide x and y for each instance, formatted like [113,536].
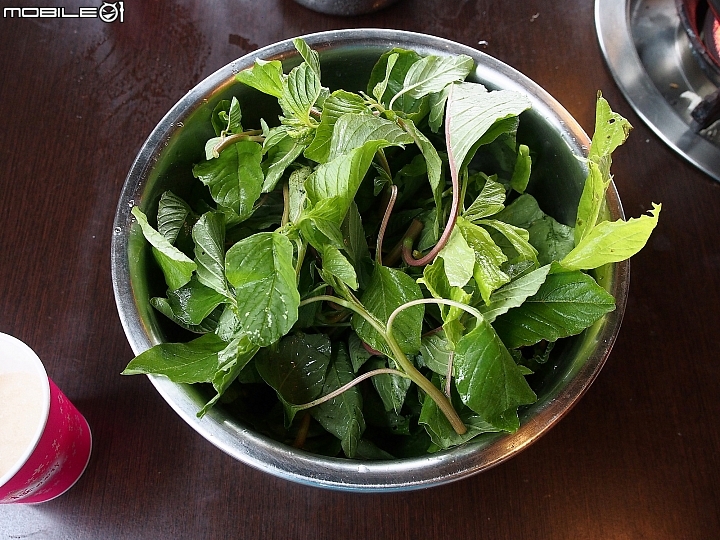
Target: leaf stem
[384,223]
[454,207]
[406,365]
[250,135]
[347,386]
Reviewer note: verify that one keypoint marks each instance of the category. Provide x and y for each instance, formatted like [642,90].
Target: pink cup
[56,449]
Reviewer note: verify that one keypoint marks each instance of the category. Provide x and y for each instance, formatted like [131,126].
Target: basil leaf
[296,368]
[488,258]
[209,324]
[193,302]
[261,269]
[441,431]
[352,131]
[279,157]
[342,415]
[491,200]
[232,359]
[173,213]
[487,378]
[310,56]
[235,178]
[391,388]
[514,293]
[552,239]
[459,259]
[175,265]
[301,89]
[432,74]
[336,105]
[523,167]
[340,178]
[612,241]
[471,114]
[209,236]
[192,362]
[565,305]
[267,77]
[389,288]
[335,262]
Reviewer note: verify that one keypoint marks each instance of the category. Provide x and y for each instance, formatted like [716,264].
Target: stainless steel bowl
[345,7]
[347,56]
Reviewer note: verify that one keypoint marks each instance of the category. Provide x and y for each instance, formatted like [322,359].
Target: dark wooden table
[636,458]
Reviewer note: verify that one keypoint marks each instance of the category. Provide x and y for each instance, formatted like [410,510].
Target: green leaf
[299,94]
[342,415]
[471,114]
[175,265]
[487,378]
[523,168]
[514,293]
[518,238]
[552,239]
[611,130]
[172,216]
[433,73]
[232,359]
[193,302]
[612,241]
[436,352]
[296,192]
[341,177]
[565,305]
[279,157]
[491,200]
[522,212]
[235,178]
[209,236]
[459,259]
[358,354]
[404,59]
[435,278]
[391,388]
[591,203]
[209,324]
[296,368]
[192,362]
[336,105]
[437,108]
[311,57]
[388,289]
[260,267]
[432,161]
[320,226]
[379,90]
[264,76]
[335,262]
[353,130]
[488,258]
[441,431]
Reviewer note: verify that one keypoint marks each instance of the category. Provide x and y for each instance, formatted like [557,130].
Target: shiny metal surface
[649,55]
[346,59]
[345,7]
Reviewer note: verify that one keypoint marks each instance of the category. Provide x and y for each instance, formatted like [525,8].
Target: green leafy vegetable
[304,286]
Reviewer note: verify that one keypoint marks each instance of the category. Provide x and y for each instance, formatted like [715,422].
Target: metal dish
[347,56]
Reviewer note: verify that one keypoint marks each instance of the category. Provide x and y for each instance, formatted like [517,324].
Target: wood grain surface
[637,458]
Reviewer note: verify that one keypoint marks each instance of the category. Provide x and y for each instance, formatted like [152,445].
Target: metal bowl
[347,56]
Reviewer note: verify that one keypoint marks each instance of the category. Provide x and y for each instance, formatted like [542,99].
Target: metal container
[347,56]
[345,7]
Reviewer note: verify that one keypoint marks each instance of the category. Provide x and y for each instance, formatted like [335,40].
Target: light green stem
[406,365]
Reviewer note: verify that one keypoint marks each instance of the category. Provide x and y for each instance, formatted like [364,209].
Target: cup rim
[37,368]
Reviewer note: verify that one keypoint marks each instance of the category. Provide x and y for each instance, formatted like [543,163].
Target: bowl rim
[265,454]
